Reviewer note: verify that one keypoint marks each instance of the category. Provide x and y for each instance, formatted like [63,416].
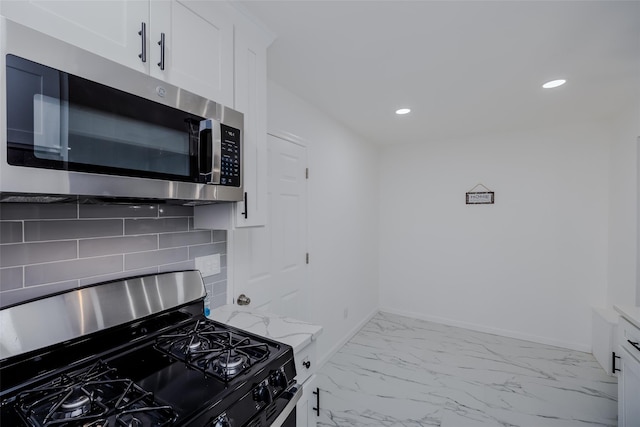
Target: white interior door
[271,260]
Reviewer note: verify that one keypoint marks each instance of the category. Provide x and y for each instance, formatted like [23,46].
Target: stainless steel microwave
[76,124]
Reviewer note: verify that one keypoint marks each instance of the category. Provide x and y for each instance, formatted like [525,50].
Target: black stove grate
[220,353]
[93,397]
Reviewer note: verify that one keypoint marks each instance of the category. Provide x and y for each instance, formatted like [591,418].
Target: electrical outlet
[208,265]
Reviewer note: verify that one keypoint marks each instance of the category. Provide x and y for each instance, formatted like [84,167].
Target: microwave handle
[209,151]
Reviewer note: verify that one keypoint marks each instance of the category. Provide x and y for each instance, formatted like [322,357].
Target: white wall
[529,266]
[343,216]
[623,208]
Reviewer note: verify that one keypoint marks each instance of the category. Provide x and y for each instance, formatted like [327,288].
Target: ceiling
[464,67]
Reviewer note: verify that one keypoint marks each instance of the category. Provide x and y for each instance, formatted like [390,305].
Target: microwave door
[209,151]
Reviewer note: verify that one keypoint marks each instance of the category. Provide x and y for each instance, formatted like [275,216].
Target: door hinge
[307,257]
[306,173]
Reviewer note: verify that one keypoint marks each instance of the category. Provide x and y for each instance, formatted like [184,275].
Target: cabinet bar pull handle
[613,363]
[635,344]
[161,44]
[246,211]
[143,37]
[317,408]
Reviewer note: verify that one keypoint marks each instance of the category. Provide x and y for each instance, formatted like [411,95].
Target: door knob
[243,300]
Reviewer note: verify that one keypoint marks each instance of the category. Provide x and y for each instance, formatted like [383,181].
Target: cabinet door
[108,28]
[628,391]
[251,99]
[198,47]
[306,415]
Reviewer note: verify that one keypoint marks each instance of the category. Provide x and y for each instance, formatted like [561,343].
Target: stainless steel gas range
[139,352]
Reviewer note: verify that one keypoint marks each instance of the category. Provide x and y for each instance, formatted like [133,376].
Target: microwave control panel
[230,160]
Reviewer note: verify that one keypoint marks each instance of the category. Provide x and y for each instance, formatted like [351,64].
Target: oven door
[286,403]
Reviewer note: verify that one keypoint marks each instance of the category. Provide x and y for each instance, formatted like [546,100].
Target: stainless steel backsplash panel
[58,318]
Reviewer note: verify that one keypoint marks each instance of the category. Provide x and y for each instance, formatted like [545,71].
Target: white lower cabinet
[629,375]
[306,414]
[628,391]
[306,365]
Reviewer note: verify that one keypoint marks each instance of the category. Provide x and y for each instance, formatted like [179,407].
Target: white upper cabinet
[108,28]
[193,42]
[251,99]
[186,43]
[211,48]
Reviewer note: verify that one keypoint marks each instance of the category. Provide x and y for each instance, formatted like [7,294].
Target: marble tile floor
[399,371]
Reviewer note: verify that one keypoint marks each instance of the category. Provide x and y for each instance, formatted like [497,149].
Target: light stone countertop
[632,314]
[296,333]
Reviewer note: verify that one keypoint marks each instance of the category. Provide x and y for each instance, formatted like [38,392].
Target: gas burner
[195,345]
[189,342]
[220,353]
[93,397]
[76,404]
[230,363]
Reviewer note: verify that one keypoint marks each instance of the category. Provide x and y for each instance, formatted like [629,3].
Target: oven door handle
[297,394]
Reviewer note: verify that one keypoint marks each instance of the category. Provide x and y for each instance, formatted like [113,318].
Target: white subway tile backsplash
[70,245]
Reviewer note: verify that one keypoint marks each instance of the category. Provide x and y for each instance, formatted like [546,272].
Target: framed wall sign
[480,197]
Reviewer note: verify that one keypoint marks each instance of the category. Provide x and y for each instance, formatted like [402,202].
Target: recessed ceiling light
[554,83]
[403,111]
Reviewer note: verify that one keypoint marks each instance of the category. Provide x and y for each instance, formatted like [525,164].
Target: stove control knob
[222,421]
[262,393]
[279,379]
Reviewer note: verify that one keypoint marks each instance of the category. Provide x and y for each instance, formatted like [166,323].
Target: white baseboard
[490,330]
[345,339]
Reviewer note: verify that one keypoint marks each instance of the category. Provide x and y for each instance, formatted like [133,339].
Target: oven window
[60,121]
